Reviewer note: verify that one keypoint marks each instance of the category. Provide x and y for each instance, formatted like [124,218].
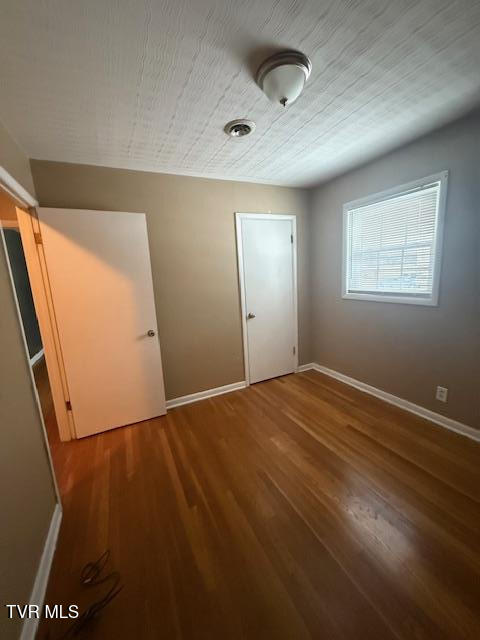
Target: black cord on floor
[90,576]
[90,573]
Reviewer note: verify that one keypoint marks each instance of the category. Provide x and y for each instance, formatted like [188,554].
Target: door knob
[150,333]
[250,316]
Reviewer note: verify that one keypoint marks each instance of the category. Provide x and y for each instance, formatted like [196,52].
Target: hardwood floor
[296,508]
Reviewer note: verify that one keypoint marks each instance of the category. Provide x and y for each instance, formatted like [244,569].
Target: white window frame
[432,301]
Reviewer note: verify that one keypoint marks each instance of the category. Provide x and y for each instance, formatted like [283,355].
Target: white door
[100,277]
[267,264]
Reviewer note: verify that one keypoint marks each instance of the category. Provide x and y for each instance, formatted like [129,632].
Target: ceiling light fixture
[239,128]
[283,76]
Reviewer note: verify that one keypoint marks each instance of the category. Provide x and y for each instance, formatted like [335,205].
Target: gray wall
[27,496]
[191,233]
[13,160]
[407,350]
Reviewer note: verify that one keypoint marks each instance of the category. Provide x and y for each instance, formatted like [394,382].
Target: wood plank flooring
[297,508]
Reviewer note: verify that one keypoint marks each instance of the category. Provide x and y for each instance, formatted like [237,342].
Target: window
[392,243]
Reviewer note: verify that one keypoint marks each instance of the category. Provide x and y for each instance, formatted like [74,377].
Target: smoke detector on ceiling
[239,128]
[283,76]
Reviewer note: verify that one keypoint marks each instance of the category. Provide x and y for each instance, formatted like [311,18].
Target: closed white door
[267,264]
[99,272]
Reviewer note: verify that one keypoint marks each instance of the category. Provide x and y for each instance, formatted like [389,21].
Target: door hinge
[294,350]
[68,404]
[291,238]
[38,237]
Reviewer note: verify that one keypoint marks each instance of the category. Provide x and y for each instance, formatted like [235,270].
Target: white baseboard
[437,418]
[37,596]
[208,393]
[305,367]
[443,421]
[34,359]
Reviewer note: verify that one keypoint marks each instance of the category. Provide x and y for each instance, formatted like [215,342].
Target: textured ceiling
[150,84]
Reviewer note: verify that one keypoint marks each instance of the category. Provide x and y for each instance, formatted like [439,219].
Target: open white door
[100,278]
[267,267]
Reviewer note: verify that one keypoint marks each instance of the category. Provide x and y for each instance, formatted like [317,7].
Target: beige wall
[407,350]
[192,244]
[27,496]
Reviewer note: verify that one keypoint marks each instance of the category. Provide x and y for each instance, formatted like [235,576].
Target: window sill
[368,297]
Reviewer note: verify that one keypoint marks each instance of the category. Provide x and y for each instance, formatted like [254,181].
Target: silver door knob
[250,316]
[150,333]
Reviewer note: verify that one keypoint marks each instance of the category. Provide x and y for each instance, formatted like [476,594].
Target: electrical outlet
[442,394]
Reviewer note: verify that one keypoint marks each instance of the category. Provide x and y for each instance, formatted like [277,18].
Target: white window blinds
[390,244]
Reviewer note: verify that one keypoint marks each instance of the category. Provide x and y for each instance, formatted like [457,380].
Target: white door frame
[241,277]
[25,199]
[42,298]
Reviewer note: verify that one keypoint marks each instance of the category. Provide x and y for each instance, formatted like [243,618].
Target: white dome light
[283,76]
